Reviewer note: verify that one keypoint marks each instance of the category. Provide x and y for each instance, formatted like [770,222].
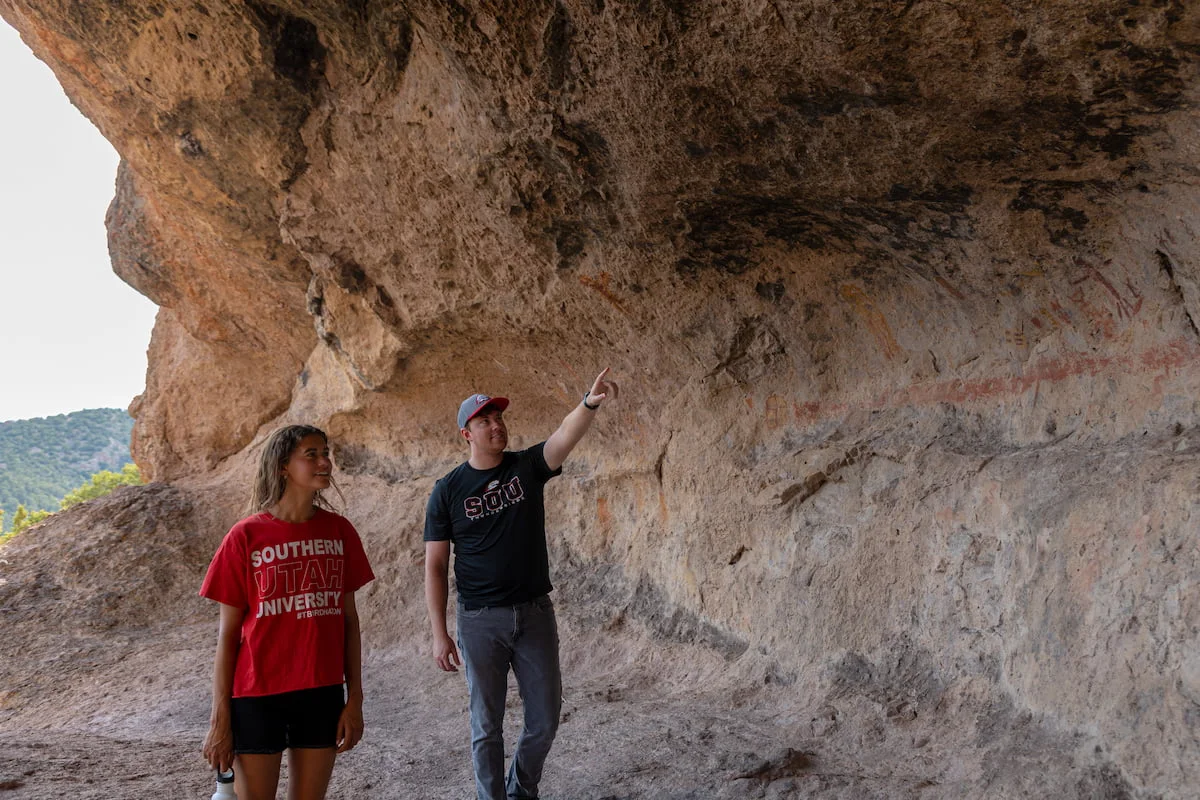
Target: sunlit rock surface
[902,295]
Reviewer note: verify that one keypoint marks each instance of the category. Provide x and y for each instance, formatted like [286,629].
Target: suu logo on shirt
[497,498]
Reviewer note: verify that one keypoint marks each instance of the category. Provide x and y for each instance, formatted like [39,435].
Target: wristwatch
[588,406]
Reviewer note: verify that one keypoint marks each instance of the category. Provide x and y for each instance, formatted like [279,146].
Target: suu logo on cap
[476,403]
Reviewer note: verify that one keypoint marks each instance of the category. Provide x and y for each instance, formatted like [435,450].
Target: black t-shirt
[497,523]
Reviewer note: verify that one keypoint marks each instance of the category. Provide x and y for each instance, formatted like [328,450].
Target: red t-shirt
[291,578]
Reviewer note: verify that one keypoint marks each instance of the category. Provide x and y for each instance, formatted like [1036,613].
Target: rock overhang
[900,292]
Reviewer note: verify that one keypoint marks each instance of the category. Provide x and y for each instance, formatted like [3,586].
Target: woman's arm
[218,745]
[350,724]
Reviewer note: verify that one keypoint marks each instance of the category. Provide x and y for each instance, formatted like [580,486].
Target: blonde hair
[269,483]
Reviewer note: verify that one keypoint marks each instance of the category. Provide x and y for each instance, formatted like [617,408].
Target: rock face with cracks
[903,297]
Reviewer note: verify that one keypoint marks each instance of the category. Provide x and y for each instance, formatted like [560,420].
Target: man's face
[486,431]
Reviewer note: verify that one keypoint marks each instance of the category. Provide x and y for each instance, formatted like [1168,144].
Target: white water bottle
[224,786]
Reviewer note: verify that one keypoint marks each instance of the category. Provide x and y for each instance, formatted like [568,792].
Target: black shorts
[274,722]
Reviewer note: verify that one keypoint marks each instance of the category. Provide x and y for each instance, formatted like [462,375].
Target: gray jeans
[525,637]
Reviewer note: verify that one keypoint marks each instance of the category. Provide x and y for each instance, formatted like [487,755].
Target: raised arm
[576,424]
[437,590]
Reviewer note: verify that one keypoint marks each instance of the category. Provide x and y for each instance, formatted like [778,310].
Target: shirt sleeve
[437,515]
[358,568]
[226,578]
[537,457]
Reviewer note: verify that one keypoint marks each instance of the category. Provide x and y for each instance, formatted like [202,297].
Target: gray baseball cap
[476,403]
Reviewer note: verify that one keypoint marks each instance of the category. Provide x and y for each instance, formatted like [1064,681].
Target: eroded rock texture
[903,296]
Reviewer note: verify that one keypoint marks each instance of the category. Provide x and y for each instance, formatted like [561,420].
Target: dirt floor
[624,734]
[106,658]
[106,667]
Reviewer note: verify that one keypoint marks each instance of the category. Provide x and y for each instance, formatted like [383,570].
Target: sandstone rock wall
[903,296]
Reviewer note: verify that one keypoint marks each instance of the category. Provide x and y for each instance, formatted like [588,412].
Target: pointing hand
[602,388]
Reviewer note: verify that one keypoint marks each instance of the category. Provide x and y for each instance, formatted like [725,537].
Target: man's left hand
[602,388]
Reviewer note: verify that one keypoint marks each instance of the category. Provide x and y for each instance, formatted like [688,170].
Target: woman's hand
[218,745]
[350,725]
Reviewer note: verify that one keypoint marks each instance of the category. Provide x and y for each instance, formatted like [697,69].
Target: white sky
[72,334]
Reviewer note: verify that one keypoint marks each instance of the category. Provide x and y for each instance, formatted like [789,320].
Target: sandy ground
[105,668]
[624,735]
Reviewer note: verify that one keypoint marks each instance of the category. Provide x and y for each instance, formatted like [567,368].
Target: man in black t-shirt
[490,507]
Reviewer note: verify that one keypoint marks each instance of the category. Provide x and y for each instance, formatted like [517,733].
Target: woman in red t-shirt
[289,654]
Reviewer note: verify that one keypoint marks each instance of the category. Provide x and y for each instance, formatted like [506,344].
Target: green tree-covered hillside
[41,460]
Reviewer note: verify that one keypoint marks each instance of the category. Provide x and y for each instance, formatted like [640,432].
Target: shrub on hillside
[101,484]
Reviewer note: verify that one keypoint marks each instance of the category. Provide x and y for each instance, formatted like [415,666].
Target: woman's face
[309,467]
